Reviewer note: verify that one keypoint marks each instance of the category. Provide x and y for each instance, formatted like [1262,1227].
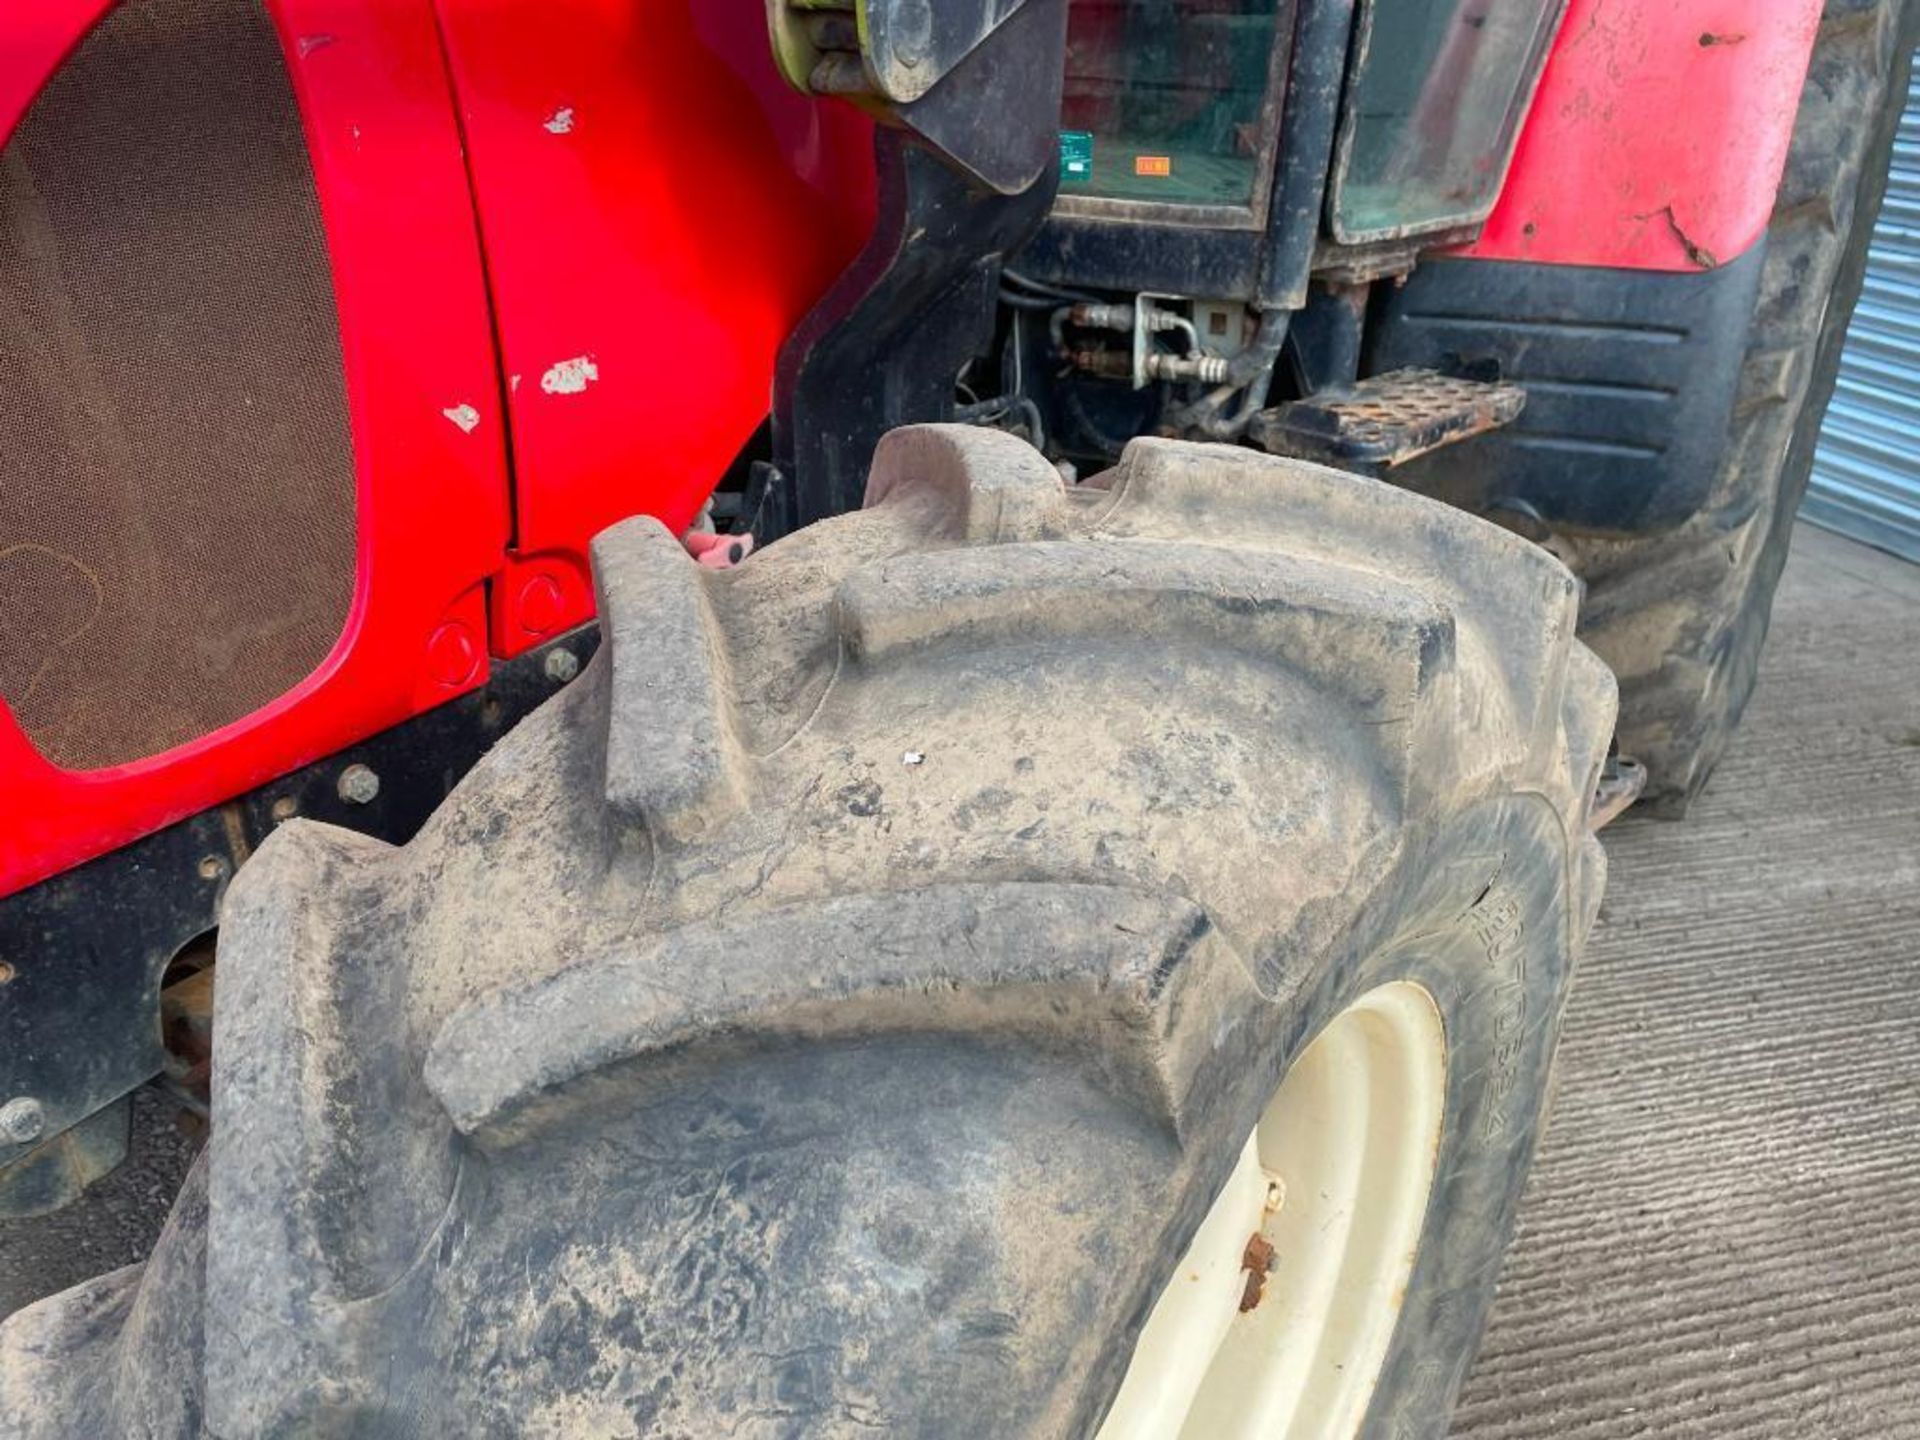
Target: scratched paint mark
[1696,253]
[561,121]
[570,377]
[311,43]
[465,416]
[513,382]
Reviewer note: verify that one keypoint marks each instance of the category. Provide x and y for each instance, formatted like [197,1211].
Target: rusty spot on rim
[1256,1260]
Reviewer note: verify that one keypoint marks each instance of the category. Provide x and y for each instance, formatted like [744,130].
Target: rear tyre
[1682,617]
[841,1010]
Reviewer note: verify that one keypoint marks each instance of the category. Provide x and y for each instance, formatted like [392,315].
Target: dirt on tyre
[895,974]
[1682,617]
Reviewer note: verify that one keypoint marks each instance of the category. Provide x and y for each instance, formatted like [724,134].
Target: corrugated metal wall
[1866,473]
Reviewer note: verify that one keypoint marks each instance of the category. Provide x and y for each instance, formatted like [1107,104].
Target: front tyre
[843,1009]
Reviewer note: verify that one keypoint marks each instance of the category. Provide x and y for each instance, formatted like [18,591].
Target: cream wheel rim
[1335,1180]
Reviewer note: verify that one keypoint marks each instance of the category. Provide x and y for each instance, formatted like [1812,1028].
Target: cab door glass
[1173,101]
[1435,96]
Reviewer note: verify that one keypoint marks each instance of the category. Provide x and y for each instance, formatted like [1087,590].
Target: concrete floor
[1717,1238]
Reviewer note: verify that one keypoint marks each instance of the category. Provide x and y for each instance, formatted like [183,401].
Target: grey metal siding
[1866,471]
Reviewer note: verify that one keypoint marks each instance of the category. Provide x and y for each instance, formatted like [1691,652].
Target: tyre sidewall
[1487,933]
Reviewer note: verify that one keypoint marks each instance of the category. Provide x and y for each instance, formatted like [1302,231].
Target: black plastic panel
[1630,378]
[1162,259]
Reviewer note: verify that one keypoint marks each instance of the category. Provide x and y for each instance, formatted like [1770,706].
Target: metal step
[1388,419]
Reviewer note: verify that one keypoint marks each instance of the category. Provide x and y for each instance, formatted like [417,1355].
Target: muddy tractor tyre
[1682,617]
[897,973]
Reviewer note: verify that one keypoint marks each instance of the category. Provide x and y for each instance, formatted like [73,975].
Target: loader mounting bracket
[966,173]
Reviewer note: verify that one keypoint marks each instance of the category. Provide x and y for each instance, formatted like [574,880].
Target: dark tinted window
[1437,94]
[1166,100]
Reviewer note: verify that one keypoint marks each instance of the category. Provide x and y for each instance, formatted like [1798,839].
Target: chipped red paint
[639,335]
[659,210]
[1658,135]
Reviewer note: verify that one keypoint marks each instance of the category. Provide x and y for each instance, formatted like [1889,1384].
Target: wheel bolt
[22,1119]
[358,785]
